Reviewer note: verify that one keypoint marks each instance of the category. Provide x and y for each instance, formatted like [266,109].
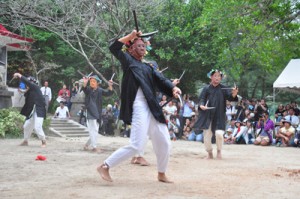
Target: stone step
[62,128]
[67,124]
[68,128]
[74,132]
[59,121]
[77,135]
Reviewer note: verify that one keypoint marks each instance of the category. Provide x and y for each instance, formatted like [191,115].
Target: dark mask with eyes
[137,49]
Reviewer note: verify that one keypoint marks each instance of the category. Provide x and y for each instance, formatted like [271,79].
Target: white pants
[35,123]
[144,125]
[93,128]
[142,152]
[207,139]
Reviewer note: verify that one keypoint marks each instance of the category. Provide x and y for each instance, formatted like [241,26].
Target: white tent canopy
[289,79]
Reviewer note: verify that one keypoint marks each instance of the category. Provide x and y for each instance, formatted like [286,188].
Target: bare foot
[103,170]
[95,150]
[43,143]
[134,160]
[142,161]
[24,143]
[163,178]
[85,148]
[219,155]
[210,156]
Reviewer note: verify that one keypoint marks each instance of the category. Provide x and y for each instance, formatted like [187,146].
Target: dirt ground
[69,172]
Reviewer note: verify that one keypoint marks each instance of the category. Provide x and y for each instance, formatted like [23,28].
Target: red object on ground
[40,157]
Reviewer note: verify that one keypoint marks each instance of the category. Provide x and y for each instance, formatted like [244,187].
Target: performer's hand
[17,75]
[176,91]
[110,84]
[85,81]
[175,82]
[134,34]
[234,91]
[203,107]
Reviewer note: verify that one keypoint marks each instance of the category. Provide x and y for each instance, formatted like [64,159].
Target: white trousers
[207,139]
[34,123]
[144,125]
[93,128]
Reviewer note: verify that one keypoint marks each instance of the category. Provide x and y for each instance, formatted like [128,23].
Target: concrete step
[70,132]
[77,135]
[68,128]
[59,121]
[62,128]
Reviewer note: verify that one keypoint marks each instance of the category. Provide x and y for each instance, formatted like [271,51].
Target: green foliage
[46,123]
[11,122]
[251,40]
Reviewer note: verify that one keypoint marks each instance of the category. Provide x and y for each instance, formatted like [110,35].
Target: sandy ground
[69,172]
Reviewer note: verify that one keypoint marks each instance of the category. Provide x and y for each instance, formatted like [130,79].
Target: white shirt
[229,111]
[293,119]
[62,112]
[47,91]
[187,111]
[170,111]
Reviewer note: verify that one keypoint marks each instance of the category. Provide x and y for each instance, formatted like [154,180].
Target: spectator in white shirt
[46,91]
[230,111]
[169,109]
[62,112]
[292,117]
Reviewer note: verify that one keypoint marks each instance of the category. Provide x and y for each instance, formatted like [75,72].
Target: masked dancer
[93,104]
[139,106]
[212,114]
[34,110]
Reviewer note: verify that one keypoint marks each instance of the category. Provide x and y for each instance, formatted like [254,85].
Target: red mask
[138,49]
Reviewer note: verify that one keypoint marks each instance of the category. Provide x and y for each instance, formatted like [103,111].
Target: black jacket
[33,97]
[216,97]
[138,74]
[93,101]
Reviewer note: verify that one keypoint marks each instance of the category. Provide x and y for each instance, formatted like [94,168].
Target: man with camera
[266,126]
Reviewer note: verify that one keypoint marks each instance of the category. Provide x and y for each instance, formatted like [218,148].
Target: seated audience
[62,112]
[285,135]
[292,117]
[279,113]
[169,109]
[240,135]
[108,120]
[296,141]
[266,127]
[228,136]
[173,127]
[250,131]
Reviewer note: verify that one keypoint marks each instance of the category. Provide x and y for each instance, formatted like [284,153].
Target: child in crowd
[186,132]
[228,136]
[173,127]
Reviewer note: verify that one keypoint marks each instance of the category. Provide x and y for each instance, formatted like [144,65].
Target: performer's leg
[219,142]
[28,128]
[139,135]
[38,127]
[207,141]
[89,124]
[94,126]
[139,158]
[161,144]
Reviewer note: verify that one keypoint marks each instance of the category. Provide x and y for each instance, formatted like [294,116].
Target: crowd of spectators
[247,122]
